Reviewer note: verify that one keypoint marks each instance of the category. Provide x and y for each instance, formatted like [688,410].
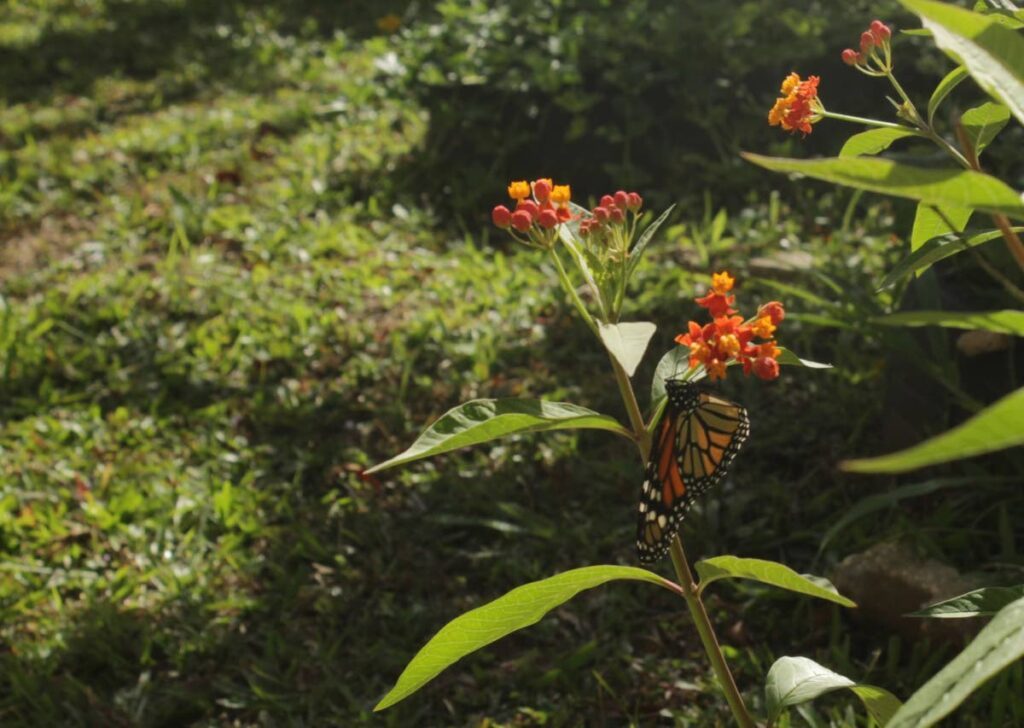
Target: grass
[220,305]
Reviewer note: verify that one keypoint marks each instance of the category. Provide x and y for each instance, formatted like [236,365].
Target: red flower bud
[635,201]
[521,220]
[617,214]
[585,228]
[542,190]
[601,213]
[880,31]
[773,310]
[621,199]
[529,207]
[607,201]
[548,219]
[766,368]
[501,216]
[564,213]
[851,57]
[867,41]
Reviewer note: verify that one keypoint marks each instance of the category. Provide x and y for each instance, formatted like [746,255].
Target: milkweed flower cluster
[799,106]
[728,338]
[540,207]
[875,55]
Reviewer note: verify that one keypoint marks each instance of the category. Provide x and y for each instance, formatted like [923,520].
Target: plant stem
[707,635]
[870,122]
[690,593]
[571,290]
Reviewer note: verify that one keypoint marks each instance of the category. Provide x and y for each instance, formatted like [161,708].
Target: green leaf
[796,680]
[998,426]
[999,644]
[952,187]
[768,572]
[519,608]
[880,703]
[673,364]
[874,141]
[934,250]
[789,358]
[627,342]
[978,603]
[1004,322]
[991,52]
[483,420]
[644,240]
[946,85]
[929,223]
[983,123]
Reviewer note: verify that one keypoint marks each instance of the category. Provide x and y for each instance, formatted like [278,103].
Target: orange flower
[728,339]
[799,105]
[561,194]
[722,282]
[519,190]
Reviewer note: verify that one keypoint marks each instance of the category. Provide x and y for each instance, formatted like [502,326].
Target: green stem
[693,601]
[571,290]
[707,635]
[870,122]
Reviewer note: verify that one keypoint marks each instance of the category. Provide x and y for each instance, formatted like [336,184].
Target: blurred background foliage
[246,254]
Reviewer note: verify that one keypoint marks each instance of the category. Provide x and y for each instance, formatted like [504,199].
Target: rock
[889,581]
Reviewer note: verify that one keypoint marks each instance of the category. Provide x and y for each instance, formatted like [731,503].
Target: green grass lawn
[220,303]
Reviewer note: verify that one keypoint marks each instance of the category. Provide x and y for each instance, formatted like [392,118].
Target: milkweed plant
[689,435]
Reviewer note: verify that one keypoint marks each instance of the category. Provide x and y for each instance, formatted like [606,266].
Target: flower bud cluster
[541,206]
[611,211]
[875,55]
[728,338]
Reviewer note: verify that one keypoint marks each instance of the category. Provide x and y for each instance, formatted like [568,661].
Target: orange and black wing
[694,444]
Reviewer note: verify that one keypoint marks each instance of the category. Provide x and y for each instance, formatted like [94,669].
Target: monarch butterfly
[697,439]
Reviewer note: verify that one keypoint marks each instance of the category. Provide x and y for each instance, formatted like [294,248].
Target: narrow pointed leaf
[483,420]
[983,123]
[768,572]
[946,85]
[519,608]
[874,141]
[627,342]
[952,187]
[978,603]
[1004,322]
[999,644]
[645,239]
[934,250]
[991,52]
[789,358]
[998,426]
[929,223]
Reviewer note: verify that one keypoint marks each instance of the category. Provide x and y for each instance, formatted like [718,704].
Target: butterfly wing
[695,443]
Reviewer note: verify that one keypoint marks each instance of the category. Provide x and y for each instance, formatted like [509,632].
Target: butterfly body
[694,444]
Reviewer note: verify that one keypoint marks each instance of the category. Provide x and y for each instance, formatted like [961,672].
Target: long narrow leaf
[1004,322]
[934,250]
[953,187]
[482,420]
[874,141]
[997,427]
[984,602]
[517,609]
[645,239]
[795,680]
[768,572]
[999,644]
[946,85]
